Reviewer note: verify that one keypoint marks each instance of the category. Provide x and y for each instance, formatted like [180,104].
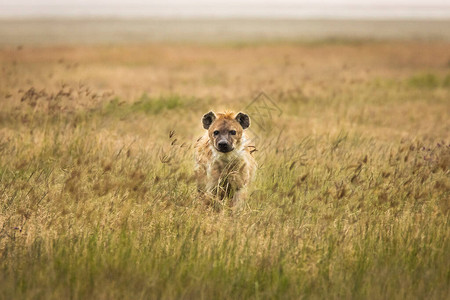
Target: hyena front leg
[211,195]
[239,198]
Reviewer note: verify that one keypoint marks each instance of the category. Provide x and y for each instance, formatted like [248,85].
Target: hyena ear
[208,119]
[243,119]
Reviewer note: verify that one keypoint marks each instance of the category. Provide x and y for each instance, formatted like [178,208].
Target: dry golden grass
[351,198]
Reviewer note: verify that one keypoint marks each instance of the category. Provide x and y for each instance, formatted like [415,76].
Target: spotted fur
[224,173]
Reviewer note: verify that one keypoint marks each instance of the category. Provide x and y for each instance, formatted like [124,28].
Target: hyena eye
[233,132]
[216,132]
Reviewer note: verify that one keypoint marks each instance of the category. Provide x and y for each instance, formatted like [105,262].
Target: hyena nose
[223,146]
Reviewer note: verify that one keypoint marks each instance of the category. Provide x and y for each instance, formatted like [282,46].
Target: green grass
[446,81]
[429,81]
[144,104]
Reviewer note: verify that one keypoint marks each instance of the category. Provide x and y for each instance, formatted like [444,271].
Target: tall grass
[351,199]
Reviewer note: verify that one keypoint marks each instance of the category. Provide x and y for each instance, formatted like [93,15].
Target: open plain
[351,198]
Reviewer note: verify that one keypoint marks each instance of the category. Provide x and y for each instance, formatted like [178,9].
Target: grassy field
[351,199]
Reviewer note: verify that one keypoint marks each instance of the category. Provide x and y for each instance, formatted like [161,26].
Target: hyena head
[226,129]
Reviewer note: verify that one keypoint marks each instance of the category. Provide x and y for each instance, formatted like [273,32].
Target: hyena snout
[224,146]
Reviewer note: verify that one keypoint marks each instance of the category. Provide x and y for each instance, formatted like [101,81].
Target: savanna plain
[350,201]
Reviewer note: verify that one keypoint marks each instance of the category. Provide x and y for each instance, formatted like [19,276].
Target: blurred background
[222,8]
[101,104]
[28,21]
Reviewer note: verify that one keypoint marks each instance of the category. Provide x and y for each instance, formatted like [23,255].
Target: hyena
[224,162]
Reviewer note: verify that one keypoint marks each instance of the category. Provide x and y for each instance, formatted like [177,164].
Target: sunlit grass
[351,198]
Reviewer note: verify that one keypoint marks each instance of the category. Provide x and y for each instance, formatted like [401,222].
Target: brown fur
[224,175]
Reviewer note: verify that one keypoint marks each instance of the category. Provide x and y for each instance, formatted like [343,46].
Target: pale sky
[228,8]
